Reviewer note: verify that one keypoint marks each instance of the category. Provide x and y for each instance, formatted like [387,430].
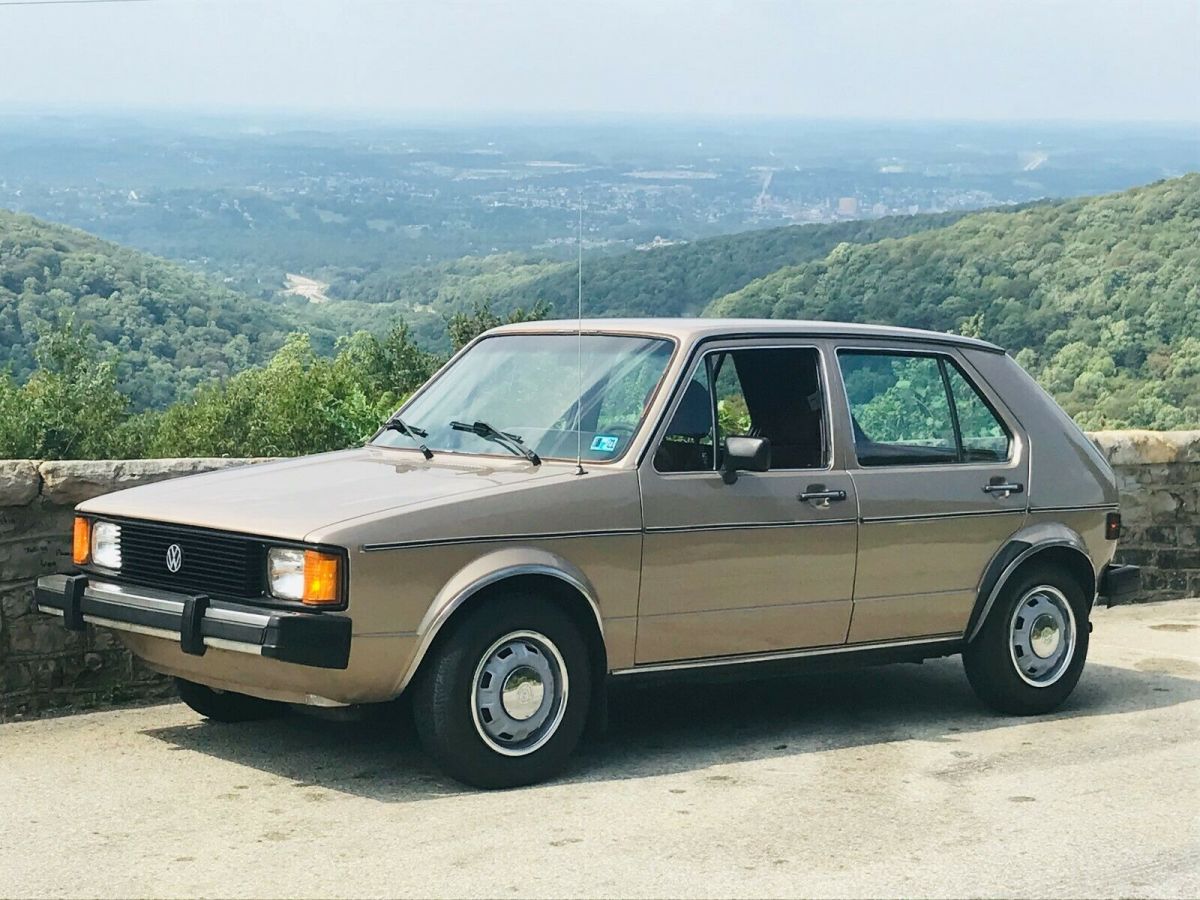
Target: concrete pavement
[891,781]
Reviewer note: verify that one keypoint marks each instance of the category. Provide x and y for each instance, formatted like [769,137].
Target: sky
[1094,60]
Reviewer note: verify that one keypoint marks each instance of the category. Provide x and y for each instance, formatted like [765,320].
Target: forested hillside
[675,280]
[169,327]
[1099,298]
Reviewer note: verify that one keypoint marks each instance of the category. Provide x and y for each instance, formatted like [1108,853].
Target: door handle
[823,497]
[1003,488]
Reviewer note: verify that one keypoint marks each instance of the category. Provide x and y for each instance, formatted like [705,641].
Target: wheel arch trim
[1019,549]
[487,571]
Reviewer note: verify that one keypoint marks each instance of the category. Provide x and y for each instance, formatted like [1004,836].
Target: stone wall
[44,667]
[1159,476]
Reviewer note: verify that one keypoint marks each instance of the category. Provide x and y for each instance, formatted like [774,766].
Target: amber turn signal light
[81,542]
[322,578]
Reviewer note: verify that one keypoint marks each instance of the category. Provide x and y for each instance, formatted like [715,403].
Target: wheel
[225,706]
[503,700]
[1030,653]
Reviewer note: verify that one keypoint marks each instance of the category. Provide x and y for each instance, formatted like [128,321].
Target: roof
[692,330]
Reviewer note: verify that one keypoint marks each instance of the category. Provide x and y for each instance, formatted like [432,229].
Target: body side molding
[943,640]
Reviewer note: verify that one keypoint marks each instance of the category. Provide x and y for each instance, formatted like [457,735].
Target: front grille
[211,563]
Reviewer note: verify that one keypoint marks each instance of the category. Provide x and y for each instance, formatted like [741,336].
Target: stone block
[37,518]
[1136,556]
[17,677]
[16,600]
[29,559]
[1166,581]
[1151,505]
[42,638]
[68,482]
[1180,559]
[1142,448]
[1159,535]
[20,482]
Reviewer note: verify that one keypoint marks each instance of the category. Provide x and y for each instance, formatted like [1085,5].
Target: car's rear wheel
[503,699]
[225,706]
[1031,650]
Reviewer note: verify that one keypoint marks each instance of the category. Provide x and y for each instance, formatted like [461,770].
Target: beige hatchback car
[564,504]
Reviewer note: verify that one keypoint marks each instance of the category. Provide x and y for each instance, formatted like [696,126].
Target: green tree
[464,327]
[69,407]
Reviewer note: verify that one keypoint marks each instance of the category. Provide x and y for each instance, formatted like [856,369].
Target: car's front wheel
[225,706]
[503,699]
[1030,652]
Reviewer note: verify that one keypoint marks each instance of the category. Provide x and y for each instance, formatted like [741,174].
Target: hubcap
[1042,636]
[519,693]
[522,693]
[1045,636]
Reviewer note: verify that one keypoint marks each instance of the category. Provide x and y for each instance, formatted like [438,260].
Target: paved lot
[885,782]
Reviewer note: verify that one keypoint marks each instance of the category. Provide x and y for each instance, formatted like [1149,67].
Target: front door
[766,563]
[941,474]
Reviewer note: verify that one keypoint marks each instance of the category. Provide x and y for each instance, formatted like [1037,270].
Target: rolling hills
[172,328]
[1098,297]
[673,280]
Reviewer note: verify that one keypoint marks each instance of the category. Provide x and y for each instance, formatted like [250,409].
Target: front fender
[489,569]
[1022,546]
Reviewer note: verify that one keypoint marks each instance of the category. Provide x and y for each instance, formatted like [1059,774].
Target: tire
[225,706]
[517,666]
[1030,652]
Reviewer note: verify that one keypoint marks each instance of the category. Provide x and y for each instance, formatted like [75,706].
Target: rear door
[941,468]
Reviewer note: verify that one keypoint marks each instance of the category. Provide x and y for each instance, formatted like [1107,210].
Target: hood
[292,498]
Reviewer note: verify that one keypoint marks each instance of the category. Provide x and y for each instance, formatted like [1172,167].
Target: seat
[681,450]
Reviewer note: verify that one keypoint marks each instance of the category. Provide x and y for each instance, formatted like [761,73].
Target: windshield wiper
[512,441]
[395,423]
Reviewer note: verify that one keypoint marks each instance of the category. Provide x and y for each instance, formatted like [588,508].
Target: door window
[773,393]
[913,409]
[984,437]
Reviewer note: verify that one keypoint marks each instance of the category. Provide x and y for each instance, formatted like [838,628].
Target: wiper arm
[512,441]
[395,423]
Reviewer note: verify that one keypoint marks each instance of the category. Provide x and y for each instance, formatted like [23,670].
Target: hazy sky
[975,59]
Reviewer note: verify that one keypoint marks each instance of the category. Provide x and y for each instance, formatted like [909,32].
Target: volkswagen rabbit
[566,504]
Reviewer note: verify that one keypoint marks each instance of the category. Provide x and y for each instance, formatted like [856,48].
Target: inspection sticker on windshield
[605,443]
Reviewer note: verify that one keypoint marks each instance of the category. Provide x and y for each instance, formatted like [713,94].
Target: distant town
[254,202]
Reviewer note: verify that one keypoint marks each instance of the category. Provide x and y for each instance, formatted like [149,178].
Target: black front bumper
[1119,584]
[197,622]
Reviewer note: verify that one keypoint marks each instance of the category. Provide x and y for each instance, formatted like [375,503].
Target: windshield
[527,386]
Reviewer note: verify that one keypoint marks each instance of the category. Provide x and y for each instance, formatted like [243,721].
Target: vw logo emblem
[174,558]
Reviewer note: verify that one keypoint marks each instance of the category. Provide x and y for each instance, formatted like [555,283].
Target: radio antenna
[579,343]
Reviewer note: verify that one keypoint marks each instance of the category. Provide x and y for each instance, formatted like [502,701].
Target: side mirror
[745,454]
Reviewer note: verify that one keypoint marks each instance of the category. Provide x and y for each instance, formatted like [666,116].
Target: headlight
[309,576]
[106,545]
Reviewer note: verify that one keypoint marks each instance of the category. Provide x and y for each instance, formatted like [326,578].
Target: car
[568,503]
